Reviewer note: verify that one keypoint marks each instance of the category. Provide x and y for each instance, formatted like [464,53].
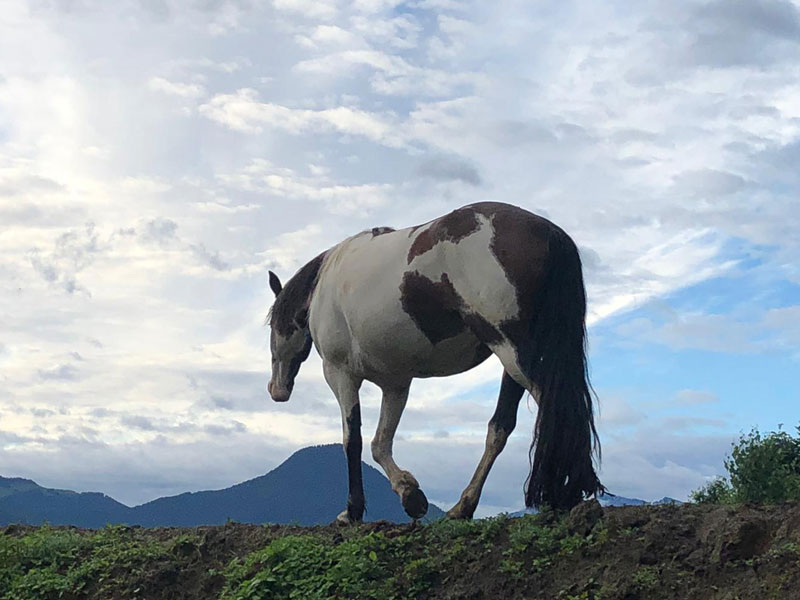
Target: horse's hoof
[415,503]
[344,519]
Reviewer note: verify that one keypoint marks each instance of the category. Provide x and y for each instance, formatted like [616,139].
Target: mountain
[23,501]
[666,500]
[609,500]
[309,488]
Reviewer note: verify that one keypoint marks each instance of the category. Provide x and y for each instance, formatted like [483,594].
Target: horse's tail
[564,437]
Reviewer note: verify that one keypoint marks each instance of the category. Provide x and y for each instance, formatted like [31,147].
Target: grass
[120,561]
[55,563]
[534,543]
[366,566]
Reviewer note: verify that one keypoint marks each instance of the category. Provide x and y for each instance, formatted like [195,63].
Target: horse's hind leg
[500,427]
[346,387]
[414,501]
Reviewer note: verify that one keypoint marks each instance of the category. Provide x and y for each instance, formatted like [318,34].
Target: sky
[158,157]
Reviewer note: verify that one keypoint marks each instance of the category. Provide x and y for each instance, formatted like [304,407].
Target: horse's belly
[452,356]
[403,351]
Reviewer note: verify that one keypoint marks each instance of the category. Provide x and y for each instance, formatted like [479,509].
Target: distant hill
[35,505]
[609,500]
[309,488]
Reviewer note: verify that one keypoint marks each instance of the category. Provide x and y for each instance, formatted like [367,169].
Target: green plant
[645,579]
[533,536]
[765,469]
[308,567]
[762,468]
[56,563]
[716,491]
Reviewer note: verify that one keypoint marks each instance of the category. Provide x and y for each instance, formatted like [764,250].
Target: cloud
[183,65]
[710,182]
[243,112]
[16,186]
[773,330]
[138,422]
[73,251]
[691,397]
[617,413]
[160,230]
[212,259]
[59,373]
[774,18]
[264,177]
[393,76]
[174,88]
[225,430]
[310,9]
[42,412]
[327,35]
[722,34]
[450,169]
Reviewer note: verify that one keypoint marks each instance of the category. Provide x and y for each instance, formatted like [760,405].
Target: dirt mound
[626,553]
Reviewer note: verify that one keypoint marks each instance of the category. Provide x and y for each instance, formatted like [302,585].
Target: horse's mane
[295,296]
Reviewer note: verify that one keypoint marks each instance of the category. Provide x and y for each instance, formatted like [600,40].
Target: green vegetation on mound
[653,552]
[762,468]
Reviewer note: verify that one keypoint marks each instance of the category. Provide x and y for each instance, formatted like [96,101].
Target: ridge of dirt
[617,553]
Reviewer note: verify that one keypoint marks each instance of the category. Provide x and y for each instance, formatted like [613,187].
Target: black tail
[564,437]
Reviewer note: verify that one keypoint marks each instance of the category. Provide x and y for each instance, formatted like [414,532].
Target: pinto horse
[437,299]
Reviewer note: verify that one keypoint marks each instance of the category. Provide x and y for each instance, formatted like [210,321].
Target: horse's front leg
[345,386]
[500,427]
[394,401]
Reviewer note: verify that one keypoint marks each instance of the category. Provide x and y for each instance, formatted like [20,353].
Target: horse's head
[290,341]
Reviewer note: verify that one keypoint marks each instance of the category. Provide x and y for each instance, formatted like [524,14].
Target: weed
[369,567]
[52,563]
[645,579]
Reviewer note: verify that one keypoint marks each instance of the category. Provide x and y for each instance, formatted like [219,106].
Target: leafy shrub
[717,491]
[763,469]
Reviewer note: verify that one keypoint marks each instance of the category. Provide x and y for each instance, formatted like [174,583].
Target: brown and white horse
[389,305]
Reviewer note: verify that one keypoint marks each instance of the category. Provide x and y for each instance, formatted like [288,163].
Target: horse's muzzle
[277,392]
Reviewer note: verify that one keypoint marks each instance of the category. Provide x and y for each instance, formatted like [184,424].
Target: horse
[436,299]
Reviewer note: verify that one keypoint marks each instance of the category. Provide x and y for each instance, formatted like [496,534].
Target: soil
[688,552]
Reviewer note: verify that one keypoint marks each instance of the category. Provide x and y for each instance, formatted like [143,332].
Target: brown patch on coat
[483,330]
[434,306]
[413,230]
[381,230]
[520,243]
[453,227]
[421,244]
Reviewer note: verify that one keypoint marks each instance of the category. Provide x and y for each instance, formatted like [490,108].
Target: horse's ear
[275,283]
[301,318]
